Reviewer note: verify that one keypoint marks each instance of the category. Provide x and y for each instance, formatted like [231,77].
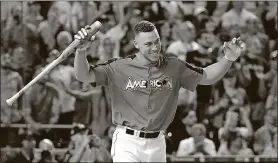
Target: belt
[142,134]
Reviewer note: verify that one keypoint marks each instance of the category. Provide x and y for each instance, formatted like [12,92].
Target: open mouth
[154,53]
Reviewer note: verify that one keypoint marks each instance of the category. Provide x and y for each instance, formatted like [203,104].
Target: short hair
[64,35]
[187,24]
[143,26]
[184,111]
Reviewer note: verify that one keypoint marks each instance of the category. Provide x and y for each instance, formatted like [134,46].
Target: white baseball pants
[132,148]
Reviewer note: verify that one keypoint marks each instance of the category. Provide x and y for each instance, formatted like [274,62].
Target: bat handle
[11,100]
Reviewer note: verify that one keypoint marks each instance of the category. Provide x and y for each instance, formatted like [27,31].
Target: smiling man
[143,113]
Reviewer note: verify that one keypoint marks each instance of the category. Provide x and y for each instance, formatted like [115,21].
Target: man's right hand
[82,35]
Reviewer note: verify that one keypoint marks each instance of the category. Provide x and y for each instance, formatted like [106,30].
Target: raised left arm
[216,71]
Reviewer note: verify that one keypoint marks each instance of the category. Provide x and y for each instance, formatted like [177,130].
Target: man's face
[252,25]
[254,46]
[29,144]
[148,43]
[64,43]
[198,136]
[18,57]
[35,7]
[232,118]
[207,40]
[238,5]
[190,119]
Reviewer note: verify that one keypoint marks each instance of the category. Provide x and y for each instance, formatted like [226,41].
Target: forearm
[269,101]
[226,132]
[216,71]
[244,77]
[27,116]
[81,65]
[214,110]
[262,91]
[249,126]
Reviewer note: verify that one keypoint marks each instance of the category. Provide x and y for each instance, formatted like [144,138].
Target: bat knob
[9,102]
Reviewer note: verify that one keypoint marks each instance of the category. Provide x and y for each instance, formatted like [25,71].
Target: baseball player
[144,90]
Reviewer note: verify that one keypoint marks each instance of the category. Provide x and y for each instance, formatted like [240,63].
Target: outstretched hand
[232,49]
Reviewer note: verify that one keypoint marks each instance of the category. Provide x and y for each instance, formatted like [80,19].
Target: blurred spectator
[227,93]
[15,29]
[235,147]
[26,153]
[253,28]
[237,15]
[181,128]
[108,135]
[18,54]
[271,102]
[256,83]
[62,76]
[86,147]
[187,99]
[165,31]
[11,83]
[63,11]
[203,56]
[198,18]
[78,15]
[46,146]
[83,102]
[32,21]
[186,33]
[198,144]
[233,127]
[110,42]
[42,106]
[49,29]
[264,136]
[102,111]
[267,12]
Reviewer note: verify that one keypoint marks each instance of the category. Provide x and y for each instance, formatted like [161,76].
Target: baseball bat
[94,28]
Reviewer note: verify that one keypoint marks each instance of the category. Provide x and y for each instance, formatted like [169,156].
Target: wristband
[228,58]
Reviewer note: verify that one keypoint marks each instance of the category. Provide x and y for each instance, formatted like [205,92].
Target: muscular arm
[82,69]
[215,72]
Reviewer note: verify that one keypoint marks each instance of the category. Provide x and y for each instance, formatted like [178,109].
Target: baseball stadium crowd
[236,116]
